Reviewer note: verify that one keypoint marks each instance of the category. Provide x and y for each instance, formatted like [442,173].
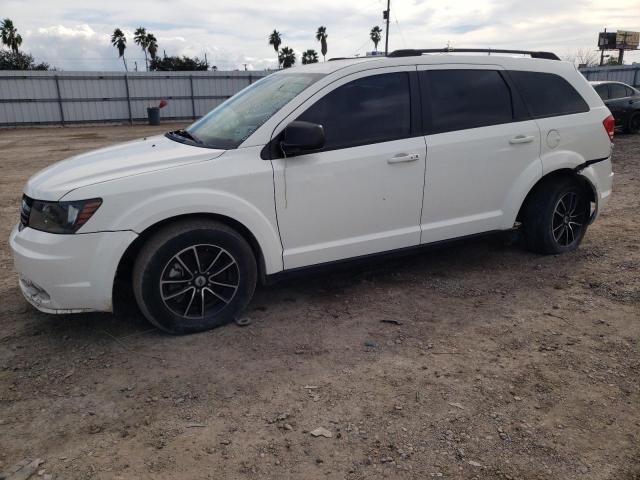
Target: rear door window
[617,91]
[368,110]
[463,99]
[547,94]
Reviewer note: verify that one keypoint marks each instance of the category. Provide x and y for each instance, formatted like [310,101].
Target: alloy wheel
[199,281]
[569,219]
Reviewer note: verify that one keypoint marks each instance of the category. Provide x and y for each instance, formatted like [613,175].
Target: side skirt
[363,260]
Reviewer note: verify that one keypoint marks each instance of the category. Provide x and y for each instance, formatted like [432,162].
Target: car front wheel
[194,275]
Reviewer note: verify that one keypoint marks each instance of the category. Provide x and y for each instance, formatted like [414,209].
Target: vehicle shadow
[453,259]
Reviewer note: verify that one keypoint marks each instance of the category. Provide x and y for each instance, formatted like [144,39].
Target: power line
[404,42]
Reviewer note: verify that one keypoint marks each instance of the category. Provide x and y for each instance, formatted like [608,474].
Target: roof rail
[410,52]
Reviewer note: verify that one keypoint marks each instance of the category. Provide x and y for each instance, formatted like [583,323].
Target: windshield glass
[231,122]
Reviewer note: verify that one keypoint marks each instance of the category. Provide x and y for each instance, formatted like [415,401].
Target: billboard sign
[607,40]
[627,40]
[621,39]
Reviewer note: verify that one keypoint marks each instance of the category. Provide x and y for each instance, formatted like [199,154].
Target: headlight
[59,217]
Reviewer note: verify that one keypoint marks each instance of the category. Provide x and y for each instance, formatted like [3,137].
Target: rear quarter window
[547,94]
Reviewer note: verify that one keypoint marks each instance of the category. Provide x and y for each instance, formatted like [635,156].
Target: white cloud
[75,34]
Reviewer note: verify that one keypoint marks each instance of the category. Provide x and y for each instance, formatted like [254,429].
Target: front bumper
[68,273]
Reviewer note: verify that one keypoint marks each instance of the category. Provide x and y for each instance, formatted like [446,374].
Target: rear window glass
[461,99]
[547,94]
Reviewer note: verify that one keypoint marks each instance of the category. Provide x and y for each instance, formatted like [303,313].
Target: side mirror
[300,137]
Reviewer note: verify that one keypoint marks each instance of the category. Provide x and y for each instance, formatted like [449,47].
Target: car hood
[123,160]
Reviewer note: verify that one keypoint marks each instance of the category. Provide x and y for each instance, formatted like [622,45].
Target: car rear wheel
[633,123]
[556,216]
[194,275]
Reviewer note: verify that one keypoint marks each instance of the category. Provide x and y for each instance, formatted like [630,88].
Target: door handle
[521,139]
[403,158]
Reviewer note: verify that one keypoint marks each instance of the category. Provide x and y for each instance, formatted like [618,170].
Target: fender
[572,163]
[154,210]
[596,172]
[238,185]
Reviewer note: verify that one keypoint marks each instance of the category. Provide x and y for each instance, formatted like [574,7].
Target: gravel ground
[478,360]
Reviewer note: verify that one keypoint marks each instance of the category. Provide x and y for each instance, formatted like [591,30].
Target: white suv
[316,164]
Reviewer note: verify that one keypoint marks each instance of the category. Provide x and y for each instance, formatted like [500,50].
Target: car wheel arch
[561,172]
[122,292]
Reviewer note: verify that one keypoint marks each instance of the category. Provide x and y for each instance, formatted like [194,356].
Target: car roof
[507,61]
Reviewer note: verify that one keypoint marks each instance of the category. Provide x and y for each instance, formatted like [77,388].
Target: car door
[482,150]
[362,192]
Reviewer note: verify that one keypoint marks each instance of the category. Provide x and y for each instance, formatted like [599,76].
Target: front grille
[25,210]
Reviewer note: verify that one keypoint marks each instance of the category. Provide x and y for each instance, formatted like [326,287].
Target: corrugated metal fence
[629,74]
[33,98]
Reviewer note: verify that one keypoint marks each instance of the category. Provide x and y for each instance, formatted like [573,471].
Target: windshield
[231,122]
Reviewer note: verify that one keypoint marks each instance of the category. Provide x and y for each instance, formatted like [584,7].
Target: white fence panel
[629,74]
[32,98]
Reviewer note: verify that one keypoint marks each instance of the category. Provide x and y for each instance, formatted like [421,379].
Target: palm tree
[10,36]
[286,57]
[275,39]
[119,41]
[152,45]
[321,36]
[309,56]
[141,39]
[375,35]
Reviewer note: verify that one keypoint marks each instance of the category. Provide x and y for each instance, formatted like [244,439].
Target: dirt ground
[478,360]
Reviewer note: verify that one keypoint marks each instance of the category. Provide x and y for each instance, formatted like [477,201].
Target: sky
[74,34]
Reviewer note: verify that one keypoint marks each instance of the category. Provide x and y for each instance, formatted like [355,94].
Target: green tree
[10,36]
[177,64]
[286,57]
[141,39]
[309,56]
[10,60]
[119,41]
[152,45]
[321,36]
[275,40]
[375,35]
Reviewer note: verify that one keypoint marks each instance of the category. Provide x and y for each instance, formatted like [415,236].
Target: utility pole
[624,47]
[385,16]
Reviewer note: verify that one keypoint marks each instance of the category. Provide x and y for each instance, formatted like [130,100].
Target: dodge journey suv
[317,164]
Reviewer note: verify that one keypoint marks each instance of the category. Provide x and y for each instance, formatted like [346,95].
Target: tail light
[609,124]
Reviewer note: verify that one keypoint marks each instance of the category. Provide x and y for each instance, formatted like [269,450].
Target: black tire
[546,229]
[177,292]
[633,123]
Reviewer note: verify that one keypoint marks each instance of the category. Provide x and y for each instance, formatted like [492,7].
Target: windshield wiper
[184,133]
